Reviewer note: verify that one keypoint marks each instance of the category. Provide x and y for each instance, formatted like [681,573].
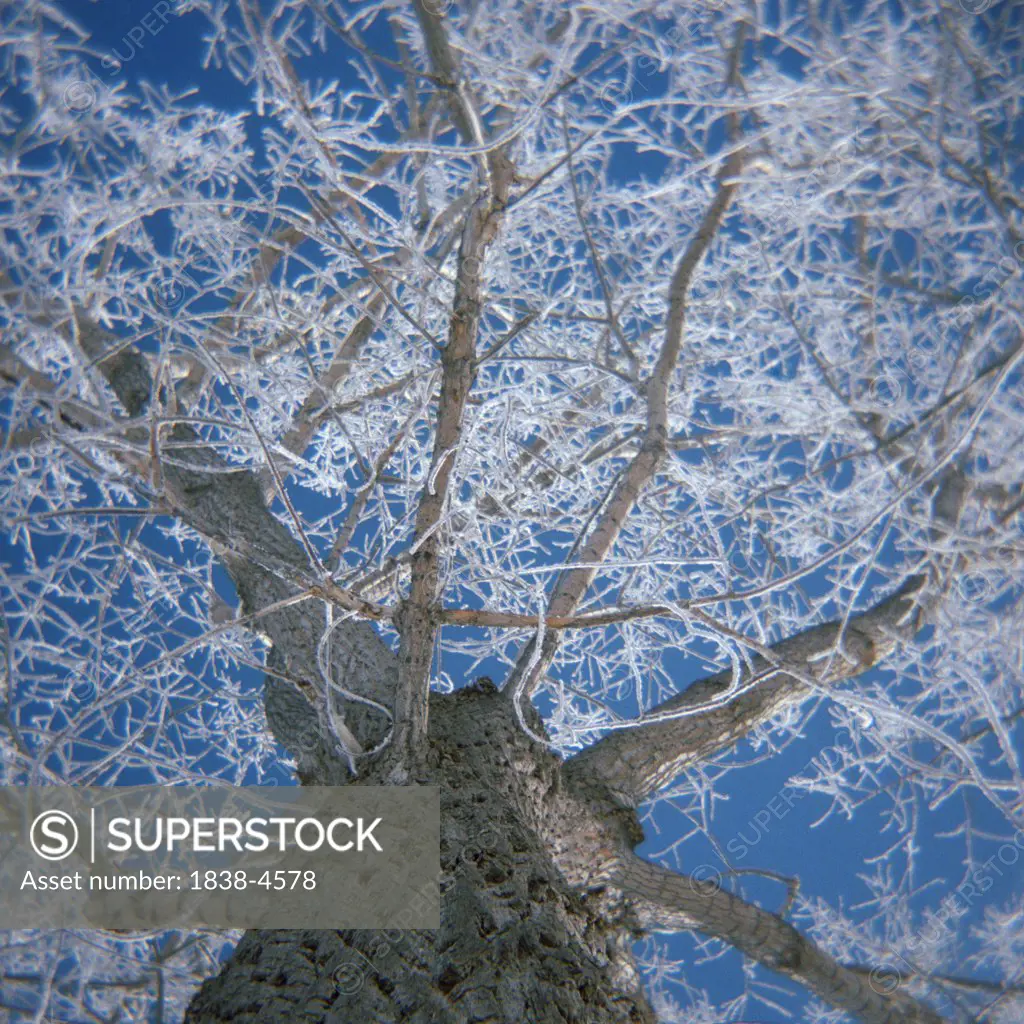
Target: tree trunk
[528,930]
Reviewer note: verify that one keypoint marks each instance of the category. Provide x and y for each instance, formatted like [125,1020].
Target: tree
[663,362]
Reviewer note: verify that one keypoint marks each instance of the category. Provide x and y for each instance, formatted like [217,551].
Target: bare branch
[706,719]
[511,620]
[666,901]
[416,618]
[573,583]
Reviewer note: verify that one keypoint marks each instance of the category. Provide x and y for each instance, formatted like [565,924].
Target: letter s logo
[59,832]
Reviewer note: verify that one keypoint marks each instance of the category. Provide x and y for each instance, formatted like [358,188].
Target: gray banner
[219,857]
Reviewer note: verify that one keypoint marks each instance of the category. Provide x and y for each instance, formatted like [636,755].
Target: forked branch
[227,509]
[573,583]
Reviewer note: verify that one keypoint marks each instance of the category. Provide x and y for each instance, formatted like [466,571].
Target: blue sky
[761,825]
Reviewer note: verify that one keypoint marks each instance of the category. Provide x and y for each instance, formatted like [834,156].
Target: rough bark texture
[529,932]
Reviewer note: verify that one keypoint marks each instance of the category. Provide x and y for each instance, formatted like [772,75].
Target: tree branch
[573,583]
[515,620]
[266,565]
[666,901]
[702,721]
[416,618]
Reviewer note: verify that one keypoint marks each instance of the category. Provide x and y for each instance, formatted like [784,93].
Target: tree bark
[541,900]
[529,929]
